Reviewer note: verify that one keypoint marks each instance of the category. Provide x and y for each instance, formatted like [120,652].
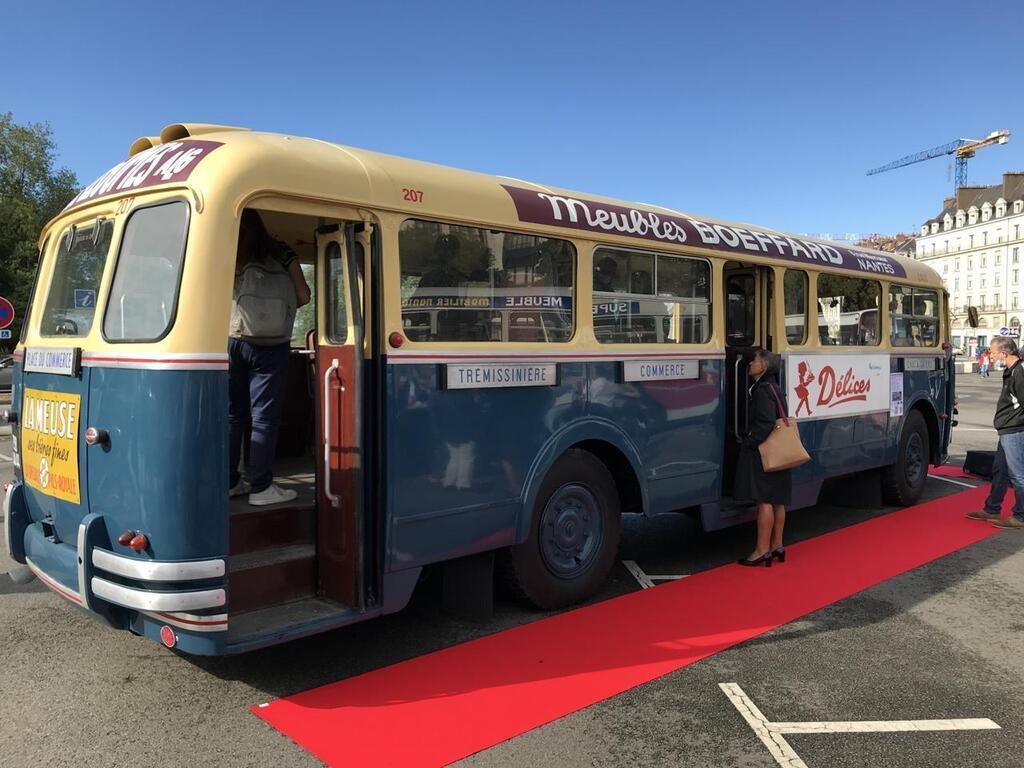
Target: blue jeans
[256,381]
[1008,469]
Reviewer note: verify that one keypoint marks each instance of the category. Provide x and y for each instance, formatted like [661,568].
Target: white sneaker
[240,488]
[272,494]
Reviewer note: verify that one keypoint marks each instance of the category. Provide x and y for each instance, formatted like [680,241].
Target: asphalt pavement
[942,641]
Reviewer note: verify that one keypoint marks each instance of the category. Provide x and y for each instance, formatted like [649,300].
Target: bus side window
[795,300]
[305,316]
[848,310]
[915,316]
[650,298]
[464,283]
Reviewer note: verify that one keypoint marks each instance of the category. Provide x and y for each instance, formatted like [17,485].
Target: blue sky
[765,112]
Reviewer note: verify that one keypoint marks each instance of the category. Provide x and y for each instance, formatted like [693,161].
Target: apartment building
[976,243]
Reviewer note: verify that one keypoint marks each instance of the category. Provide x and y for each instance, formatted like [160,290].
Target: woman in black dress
[771,490]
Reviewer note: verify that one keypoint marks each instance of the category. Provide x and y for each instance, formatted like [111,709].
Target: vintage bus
[489,367]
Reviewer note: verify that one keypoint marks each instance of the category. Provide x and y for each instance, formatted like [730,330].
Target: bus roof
[243,162]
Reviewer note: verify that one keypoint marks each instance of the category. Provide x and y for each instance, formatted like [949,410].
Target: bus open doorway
[302,560]
[748,324]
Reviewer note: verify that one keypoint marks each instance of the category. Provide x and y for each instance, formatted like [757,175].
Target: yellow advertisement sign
[49,443]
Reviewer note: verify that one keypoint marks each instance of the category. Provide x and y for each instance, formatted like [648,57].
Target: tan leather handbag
[782,449]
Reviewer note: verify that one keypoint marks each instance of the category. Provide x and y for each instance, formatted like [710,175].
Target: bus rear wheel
[903,482]
[574,534]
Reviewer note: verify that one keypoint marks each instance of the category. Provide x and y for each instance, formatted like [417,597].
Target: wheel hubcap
[571,531]
[915,460]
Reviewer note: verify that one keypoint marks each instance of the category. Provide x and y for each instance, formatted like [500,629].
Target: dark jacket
[1009,416]
[752,482]
[762,410]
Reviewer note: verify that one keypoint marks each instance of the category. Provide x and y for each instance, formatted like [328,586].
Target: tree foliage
[32,191]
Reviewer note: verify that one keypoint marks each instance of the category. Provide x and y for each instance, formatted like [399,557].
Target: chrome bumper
[159,586]
[147,600]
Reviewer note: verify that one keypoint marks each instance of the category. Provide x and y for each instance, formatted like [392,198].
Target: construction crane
[962,148]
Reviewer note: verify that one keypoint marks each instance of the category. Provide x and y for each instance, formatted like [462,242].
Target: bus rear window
[78,269]
[144,295]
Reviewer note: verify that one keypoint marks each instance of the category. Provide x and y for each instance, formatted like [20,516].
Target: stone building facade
[976,244]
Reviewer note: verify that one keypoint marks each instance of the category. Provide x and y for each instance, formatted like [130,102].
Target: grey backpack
[263,309]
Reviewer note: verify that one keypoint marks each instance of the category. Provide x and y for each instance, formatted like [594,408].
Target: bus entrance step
[267,621]
[271,577]
[257,528]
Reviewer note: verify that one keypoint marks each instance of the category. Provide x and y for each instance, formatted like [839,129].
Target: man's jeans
[256,381]
[1007,469]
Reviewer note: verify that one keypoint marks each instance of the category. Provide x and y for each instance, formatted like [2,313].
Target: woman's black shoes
[765,560]
[779,554]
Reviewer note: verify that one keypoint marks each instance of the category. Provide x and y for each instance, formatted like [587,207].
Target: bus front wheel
[903,482]
[574,534]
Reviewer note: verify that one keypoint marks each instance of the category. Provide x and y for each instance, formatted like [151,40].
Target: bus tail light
[396,340]
[125,538]
[139,542]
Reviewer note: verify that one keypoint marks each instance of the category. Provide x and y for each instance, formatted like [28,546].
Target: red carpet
[951,470]
[439,708]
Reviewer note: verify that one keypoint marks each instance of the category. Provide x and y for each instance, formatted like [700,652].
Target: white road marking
[777,745]
[950,480]
[887,726]
[638,574]
[771,734]
[5,458]
[975,429]
[645,580]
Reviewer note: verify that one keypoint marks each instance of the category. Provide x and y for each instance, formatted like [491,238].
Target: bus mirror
[972,317]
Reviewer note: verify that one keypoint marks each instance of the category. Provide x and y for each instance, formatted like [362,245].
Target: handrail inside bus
[328,492]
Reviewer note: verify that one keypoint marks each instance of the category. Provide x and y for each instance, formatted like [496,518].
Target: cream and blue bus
[489,368]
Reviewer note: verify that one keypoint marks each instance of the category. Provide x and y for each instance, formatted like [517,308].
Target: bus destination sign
[659,370]
[63,361]
[162,164]
[495,375]
[563,211]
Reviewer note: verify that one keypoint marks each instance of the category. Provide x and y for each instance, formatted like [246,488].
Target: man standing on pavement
[1009,423]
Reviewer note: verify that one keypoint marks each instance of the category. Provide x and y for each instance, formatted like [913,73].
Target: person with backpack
[269,288]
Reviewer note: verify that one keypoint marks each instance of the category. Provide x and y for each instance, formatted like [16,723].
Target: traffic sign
[6,312]
[5,334]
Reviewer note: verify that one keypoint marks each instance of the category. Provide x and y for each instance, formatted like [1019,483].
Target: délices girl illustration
[804,377]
